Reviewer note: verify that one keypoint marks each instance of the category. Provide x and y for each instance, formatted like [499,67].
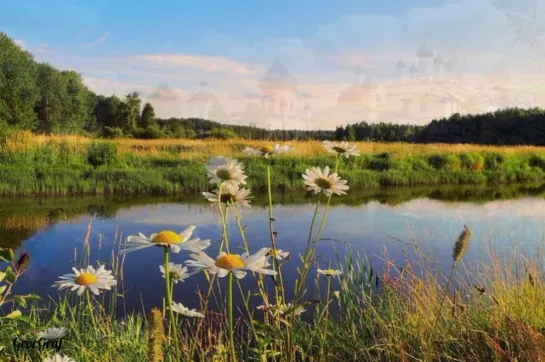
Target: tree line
[40,98]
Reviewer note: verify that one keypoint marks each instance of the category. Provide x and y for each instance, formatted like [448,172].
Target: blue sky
[166,49]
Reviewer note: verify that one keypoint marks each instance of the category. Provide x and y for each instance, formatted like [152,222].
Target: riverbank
[71,165]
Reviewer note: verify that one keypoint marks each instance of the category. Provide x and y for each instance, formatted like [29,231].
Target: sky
[322,62]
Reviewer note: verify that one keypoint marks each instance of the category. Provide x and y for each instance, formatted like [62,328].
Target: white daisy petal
[180,308]
[318,181]
[58,358]
[53,333]
[87,278]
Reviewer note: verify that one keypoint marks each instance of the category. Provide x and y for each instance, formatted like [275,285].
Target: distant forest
[40,98]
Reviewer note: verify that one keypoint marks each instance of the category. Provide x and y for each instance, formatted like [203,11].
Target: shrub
[493,160]
[472,161]
[110,132]
[537,161]
[444,162]
[102,153]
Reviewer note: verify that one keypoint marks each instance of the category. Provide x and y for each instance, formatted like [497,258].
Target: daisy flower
[342,148]
[318,180]
[58,358]
[87,278]
[279,254]
[268,150]
[226,170]
[226,263]
[177,272]
[329,272]
[52,333]
[283,308]
[230,195]
[167,239]
[180,308]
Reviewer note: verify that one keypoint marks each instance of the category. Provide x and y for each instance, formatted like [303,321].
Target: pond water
[376,223]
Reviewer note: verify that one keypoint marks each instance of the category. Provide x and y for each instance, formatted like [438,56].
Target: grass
[493,311]
[73,165]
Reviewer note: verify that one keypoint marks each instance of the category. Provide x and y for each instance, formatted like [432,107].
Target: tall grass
[72,165]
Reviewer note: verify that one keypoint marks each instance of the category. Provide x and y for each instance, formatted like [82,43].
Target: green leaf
[2,288]
[31,297]
[2,275]
[10,275]
[24,318]
[14,315]
[19,299]
[6,254]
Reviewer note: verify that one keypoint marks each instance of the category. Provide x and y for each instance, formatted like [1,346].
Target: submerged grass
[72,165]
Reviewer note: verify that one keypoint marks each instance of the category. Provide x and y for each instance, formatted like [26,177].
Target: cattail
[23,261]
[156,336]
[461,245]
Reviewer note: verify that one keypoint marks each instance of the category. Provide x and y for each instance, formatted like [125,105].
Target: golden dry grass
[209,147]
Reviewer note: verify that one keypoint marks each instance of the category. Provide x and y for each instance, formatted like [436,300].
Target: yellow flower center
[275,252]
[267,149]
[323,183]
[339,149]
[230,262]
[86,279]
[167,237]
[330,272]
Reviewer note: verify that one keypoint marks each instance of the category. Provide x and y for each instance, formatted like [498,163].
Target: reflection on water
[375,222]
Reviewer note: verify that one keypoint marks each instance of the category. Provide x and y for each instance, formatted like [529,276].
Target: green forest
[38,97]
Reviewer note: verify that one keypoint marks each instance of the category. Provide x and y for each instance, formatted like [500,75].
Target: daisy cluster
[229,178]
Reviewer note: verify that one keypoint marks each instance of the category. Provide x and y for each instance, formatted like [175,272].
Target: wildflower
[337,294]
[225,170]
[177,272]
[53,333]
[58,358]
[87,278]
[342,148]
[279,254]
[168,239]
[318,180]
[180,308]
[268,150]
[283,309]
[461,245]
[329,272]
[238,264]
[230,195]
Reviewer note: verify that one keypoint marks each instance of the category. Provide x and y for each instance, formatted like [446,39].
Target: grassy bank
[494,314]
[64,165]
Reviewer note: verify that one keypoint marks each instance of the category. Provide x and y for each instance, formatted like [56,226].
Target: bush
[472,161]
[493,160]
[444,162]
[110,132]
[102,153]
[150,133]
[537,161]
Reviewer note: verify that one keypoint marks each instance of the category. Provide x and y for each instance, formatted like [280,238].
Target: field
[71,165]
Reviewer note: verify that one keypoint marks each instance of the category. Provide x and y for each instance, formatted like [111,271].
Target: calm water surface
[54,230]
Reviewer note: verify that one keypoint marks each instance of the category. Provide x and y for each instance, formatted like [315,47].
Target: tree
[148,116]
[49,103]
[17,84]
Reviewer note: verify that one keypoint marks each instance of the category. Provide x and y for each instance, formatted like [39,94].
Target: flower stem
[90,304]
[273,239]
[172,328]
[231,328]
